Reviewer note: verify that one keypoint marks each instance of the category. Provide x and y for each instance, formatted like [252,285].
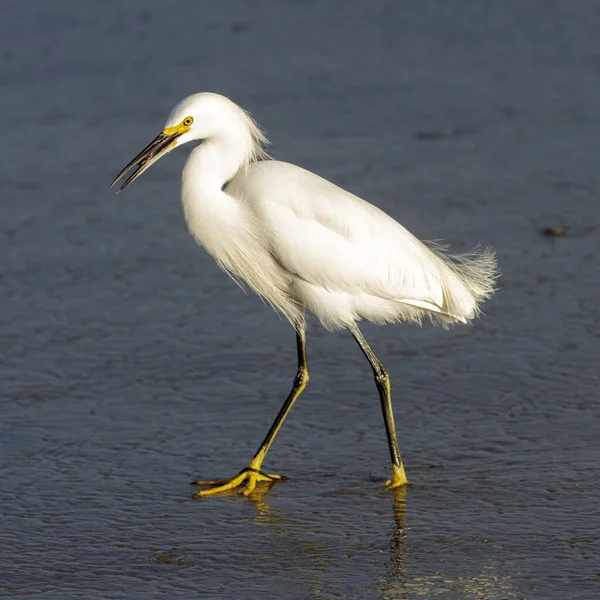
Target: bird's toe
[244,482]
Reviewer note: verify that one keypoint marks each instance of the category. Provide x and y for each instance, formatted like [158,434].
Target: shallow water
[131,364]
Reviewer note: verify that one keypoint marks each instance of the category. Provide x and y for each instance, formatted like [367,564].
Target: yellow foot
[398,477]
[249,475]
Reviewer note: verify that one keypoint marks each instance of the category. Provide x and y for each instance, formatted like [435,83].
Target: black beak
[156,149]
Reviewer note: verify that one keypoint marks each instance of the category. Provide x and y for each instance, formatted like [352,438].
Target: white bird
[300,242]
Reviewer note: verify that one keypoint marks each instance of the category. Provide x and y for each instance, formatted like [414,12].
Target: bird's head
[196,118]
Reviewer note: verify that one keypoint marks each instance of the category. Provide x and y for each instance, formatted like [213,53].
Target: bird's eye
[188,121]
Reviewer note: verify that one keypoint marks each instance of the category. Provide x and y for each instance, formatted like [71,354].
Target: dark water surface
[131,364]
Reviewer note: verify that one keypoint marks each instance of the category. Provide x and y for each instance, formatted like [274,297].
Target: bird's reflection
[396,571]
[292,547]
[316,562]
[259,499]
[399,583]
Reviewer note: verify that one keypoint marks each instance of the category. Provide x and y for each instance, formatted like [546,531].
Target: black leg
[382,381]
[253,473]
[300,382]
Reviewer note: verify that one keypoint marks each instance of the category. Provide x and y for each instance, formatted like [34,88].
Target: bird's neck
[216,161]
[210,212]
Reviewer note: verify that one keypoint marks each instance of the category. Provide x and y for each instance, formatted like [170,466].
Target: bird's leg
[382,380]
[253,474]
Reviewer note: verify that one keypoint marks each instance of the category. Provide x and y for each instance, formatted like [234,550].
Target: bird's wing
[333,239]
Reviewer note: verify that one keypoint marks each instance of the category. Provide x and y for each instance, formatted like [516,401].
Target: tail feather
[476,273]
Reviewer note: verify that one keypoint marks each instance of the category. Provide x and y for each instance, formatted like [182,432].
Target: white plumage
[301,242]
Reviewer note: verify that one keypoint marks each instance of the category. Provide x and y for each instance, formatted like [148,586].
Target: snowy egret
[301,243]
